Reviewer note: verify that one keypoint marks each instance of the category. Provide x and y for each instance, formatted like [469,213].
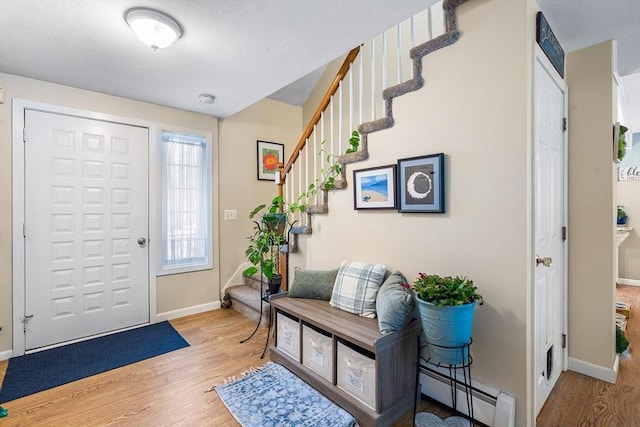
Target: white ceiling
[238,50]
[242,50]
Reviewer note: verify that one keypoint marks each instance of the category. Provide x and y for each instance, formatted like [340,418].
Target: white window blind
[185,201]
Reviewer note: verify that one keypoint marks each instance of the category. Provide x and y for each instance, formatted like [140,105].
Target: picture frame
[421,184]
[375,188]
[270,155]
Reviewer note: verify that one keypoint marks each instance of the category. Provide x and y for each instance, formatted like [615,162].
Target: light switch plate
[230,214]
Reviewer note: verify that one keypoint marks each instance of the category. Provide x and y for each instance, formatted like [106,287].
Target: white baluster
[399,54]
[340,119]
[331,134]
[384,69]
[413,32]
[351,97]
[373,79]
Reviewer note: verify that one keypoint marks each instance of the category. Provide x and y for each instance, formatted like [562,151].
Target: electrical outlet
[230,214]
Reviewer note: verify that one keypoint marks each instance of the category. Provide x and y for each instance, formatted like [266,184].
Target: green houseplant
[622,216]
[264,244]
[622,143]
[446,306]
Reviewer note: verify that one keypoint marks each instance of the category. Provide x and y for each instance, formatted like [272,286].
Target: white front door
[86,207]
[549,213]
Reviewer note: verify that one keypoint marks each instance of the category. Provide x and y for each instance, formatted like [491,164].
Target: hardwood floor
[578,400]
[169,390]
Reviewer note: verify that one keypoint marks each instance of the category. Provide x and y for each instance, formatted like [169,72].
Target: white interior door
[86,207]
[549,184]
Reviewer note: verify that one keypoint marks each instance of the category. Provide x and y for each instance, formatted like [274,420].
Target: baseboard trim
[630,282]
[7,354]
[599,372]
[188,311]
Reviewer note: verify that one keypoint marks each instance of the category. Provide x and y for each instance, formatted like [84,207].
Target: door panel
[86,205]
[549,285]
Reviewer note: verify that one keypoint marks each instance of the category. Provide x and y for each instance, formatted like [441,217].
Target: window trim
[167,270]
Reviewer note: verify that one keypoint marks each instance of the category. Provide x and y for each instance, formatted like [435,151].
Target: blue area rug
[272,396]
[46,369]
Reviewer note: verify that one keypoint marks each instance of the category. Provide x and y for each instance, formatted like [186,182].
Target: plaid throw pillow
[356,288]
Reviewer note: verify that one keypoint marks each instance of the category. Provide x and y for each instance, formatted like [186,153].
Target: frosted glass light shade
[153,28]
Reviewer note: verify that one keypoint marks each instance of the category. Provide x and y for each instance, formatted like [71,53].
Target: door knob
[142,241]
[546,261]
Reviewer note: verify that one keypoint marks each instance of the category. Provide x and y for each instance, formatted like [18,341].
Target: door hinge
[564,233]
[24,134]
[24,230]
[564,340]
[564,124]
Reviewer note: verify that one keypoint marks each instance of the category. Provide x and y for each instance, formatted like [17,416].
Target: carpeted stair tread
[246,300]
[254,282]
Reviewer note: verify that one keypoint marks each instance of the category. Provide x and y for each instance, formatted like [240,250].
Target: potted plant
[446,306]
[264,243]
[622,216]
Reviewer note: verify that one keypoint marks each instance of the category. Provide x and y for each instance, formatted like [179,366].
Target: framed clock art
[270,155]
[421,184]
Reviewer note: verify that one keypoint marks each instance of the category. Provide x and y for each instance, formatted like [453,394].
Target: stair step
[247,300]
[254,282]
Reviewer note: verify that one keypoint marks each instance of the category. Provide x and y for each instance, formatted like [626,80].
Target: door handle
[142,241]
[546,261]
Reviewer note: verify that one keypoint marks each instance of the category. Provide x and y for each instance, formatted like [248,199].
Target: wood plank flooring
[578,400]
[169,390]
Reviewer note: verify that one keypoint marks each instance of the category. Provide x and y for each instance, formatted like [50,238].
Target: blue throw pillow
[395,305]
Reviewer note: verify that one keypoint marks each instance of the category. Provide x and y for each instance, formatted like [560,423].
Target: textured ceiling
[242,50]
[238,50]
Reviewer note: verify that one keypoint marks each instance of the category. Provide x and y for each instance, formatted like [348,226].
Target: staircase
[359,97]
[247,299]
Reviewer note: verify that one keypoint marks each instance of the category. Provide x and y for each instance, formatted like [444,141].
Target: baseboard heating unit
[490,406]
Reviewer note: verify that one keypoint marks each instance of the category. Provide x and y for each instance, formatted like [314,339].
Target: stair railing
[355,96]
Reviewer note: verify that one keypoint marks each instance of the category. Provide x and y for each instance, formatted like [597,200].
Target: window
[186,203]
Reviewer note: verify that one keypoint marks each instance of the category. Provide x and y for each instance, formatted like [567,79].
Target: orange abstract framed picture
[270,155]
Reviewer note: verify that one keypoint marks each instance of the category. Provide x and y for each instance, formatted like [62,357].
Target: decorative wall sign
[421,184]
[375,188]
[629,173]
[549,43]
[270,155]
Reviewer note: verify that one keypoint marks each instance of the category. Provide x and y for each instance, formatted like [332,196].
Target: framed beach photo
[421,184]
[375,188]
[270,155]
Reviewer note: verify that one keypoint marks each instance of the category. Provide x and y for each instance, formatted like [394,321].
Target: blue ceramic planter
[448,326]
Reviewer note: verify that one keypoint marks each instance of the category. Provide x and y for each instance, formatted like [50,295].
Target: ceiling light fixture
[153,28]
[206,98]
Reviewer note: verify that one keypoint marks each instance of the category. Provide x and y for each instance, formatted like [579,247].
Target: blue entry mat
[273,396]
[46,369]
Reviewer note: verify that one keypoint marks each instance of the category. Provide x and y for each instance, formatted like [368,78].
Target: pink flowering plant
[445,291]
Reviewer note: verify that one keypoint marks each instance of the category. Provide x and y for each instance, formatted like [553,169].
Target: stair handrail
[315,119]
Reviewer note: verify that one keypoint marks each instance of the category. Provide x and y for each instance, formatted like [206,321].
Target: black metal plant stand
[465,367]
[265,297]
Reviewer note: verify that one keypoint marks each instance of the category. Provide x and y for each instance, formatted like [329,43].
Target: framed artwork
[375,188]
[270,155]
[421,184]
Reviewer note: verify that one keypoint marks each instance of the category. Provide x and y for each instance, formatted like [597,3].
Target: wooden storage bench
[346,358]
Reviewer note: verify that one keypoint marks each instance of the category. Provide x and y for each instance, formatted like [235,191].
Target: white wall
[239,188]
[592,202]
[629,197]
[475,107]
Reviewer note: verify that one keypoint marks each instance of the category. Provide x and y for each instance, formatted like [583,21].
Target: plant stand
[454,382]
[265,297]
